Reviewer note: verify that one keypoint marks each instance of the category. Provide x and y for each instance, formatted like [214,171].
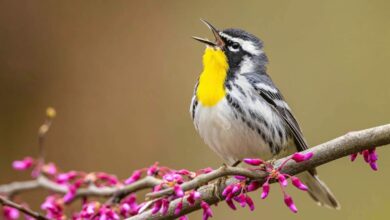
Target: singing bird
[240,113]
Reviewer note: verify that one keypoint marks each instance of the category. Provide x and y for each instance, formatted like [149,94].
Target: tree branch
[352,142]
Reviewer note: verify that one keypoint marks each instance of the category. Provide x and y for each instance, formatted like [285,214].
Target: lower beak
[218,40]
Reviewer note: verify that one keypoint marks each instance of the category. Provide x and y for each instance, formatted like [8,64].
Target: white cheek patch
[246,45]
[246,65]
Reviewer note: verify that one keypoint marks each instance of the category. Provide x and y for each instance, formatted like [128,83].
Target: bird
[240,113]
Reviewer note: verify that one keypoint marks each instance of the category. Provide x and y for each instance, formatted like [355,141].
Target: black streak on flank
[234,103]
[240,89]
[193,108]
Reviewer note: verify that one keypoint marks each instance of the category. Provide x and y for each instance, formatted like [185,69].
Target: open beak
[218,40]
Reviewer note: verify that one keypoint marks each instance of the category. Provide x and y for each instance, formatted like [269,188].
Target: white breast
[228,136]
[225,132]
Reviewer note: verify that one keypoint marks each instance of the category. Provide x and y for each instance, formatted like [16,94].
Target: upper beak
[218,40]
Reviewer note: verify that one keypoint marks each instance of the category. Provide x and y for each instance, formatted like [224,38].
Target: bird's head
[243,51]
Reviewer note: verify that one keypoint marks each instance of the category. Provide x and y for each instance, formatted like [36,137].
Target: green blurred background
[121,75]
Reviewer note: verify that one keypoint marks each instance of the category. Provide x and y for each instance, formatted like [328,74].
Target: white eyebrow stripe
[245,44]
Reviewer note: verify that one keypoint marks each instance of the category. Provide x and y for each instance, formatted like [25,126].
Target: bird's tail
[319,191]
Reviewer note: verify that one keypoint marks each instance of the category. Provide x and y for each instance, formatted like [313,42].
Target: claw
[219,186]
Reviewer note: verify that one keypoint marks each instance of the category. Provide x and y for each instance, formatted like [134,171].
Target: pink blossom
[241,199]
[266,189]
[24,164]
[178,191]
[230,203]
[241,178]
[72,190]
[300,157]
[164,206]
[298,183]
[207,212]
[193,197]
[184,172]
[89,209]
[373,156]
[53,208]
[66,177]
[253,161]
[173,177]
[129,206]
[153,170]
[184,217]
[290,203]
[253,185]
[157,188]
[353,157]
[10,213]
[157,206]
[227,190]
[250,203]
[244,200]
[369,156]
[282,180]
[206,170]
[50,168]
[178,208]
[112,180]
[374,166]
[236,188]
[107,213]
[134,177]
[124,209]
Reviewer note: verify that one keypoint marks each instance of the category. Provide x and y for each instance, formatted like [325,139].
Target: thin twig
[43,182]
[6,202]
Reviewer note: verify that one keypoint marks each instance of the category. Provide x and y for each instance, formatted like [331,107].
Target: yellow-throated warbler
[240,113]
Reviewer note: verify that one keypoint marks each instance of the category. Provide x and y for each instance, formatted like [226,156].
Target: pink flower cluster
[96,211]
[54,208]
[234,194]
[370,156]
[174,179]
[238,192]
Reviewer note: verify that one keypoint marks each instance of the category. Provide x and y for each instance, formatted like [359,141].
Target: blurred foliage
[121,75]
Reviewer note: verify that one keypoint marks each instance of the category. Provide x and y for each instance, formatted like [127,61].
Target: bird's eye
[235,45]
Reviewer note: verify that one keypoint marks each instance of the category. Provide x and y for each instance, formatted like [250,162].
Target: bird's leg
[217,185]
[236,163]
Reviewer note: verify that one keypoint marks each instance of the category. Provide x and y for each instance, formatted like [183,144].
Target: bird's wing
[268,91]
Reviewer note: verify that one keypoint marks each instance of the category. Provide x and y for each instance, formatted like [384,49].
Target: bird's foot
[219,186]
[221,182]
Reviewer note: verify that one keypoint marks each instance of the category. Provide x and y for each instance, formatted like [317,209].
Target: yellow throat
[211,88]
